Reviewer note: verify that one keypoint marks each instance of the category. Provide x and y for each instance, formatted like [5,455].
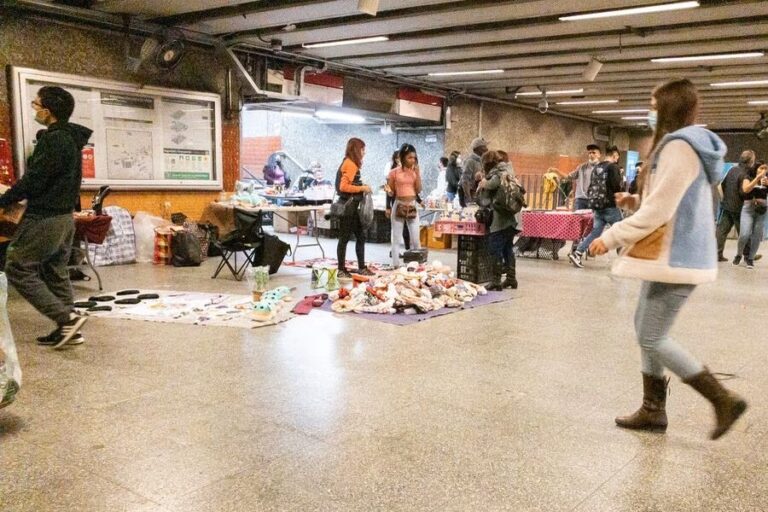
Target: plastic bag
[10,371]
[366,210]
[144,226]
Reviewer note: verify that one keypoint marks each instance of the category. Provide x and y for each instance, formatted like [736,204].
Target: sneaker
[750,264]
[575,258]
[736,260]
[365,272]
[721,258]
[344,275]
[757,257]
[69,329]
[55,336]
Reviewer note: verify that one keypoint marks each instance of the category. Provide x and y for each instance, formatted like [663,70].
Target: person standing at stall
[350,188]
[36,262]
[473,171]
[754,187]
[671,246]
[404,185]
[452,176]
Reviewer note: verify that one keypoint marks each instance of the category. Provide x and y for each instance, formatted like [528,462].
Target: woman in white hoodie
[670,244]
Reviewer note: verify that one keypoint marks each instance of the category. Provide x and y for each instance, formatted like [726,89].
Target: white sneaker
[575,258]
[70,329]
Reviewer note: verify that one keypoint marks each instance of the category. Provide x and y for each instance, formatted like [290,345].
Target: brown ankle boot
[652,415]
[728,405]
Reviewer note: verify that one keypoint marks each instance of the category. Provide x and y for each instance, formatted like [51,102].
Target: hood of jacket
[710,148]
[80,134]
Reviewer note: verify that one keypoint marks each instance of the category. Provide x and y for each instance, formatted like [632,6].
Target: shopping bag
[365,210]
[10,371]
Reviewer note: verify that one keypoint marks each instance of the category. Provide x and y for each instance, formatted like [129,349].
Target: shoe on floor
[721,258]
[575,258]
[69,329]
[750,264]
[344,275]
[54,337]
[757,257]
[364,272]
[736,261]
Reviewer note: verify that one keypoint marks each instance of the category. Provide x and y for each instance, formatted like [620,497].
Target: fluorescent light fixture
[587,102]
[631,11]
[721,56]
[361,40]
[332,115]
[701,125]
[551,93]
[635,118]
[758,102]
[622,111]
[750,83]
[465,73]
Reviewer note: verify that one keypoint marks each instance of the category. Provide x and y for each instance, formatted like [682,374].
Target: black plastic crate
[474,263]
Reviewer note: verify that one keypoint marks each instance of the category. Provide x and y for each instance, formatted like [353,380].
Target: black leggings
[348,226]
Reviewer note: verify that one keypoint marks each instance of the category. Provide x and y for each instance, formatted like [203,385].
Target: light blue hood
[710,148]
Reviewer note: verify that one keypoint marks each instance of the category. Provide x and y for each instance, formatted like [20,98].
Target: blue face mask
[653,118]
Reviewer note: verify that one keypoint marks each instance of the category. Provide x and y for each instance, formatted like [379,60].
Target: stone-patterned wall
[52,47]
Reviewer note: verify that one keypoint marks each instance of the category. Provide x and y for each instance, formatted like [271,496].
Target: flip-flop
[127,292]
[147,296]
[85,304]
[100,308]
[128,301]
[101,298]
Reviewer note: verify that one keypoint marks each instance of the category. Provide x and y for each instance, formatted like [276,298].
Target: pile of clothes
[411,289]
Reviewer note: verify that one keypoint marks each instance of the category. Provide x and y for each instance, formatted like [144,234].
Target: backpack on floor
[597,193]
[186,250]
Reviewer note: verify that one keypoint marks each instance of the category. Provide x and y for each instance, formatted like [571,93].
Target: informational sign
[143,137]
[632,158]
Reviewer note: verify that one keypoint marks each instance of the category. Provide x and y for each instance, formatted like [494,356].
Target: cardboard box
[438,240]
[283,226]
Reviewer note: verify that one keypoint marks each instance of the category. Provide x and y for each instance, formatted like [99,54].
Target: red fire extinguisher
[6,163]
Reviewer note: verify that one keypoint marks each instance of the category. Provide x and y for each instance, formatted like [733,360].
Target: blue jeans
[581,203]
[656,312]
[450,196]
[602,218]
[751,230]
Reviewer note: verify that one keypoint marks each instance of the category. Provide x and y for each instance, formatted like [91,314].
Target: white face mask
[653,118]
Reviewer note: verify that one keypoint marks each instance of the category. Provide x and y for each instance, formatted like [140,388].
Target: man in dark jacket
[604,183]
[473,171]
[37,257]
[453,175]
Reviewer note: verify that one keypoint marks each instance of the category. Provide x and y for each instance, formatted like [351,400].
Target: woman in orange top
[349,186]
[404,184]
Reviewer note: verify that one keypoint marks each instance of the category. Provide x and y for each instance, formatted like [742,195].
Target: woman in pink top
[404,184]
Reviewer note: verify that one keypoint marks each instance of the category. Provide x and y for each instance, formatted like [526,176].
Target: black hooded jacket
[51,183]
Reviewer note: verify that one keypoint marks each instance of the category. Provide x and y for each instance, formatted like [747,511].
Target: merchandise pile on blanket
[412,289]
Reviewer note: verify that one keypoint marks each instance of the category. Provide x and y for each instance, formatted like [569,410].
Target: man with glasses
[37,258]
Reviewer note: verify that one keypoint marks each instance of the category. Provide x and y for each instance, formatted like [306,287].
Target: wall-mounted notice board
[143,137]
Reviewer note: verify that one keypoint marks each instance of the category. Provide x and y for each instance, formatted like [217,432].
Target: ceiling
[524,38]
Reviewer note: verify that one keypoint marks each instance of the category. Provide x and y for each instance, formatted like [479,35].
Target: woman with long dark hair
[350,187]
[404,185]
[754,189]
[670,245]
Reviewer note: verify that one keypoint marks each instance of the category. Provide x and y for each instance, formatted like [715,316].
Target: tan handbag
[649,248]
[405,211]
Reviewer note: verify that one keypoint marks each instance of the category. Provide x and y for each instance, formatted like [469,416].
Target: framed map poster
[143,137]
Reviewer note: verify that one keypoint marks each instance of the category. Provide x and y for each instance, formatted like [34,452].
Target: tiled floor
[506,407]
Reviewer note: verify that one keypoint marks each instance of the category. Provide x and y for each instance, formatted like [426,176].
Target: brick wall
[256,151]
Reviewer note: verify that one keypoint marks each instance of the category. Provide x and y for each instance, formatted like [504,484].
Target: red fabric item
[93,228]
[305,306]
[559,226]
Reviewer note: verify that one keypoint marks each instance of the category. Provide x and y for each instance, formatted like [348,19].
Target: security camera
[543,105]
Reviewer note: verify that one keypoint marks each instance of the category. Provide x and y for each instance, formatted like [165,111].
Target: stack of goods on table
[411,289]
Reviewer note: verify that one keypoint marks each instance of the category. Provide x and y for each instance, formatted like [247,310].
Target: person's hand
[762,170]
[624,199]
[597,248]
[387,188]
[388,213]
[366,189]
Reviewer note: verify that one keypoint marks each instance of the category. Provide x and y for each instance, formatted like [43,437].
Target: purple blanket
[403,319]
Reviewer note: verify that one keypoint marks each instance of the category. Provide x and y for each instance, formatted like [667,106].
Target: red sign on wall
[6,163]
[89,166]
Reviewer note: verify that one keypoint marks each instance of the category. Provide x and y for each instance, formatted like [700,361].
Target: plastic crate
[475,263]
[449,227]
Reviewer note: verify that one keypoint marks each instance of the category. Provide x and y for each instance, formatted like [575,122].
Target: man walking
[37,258]
[733,201]
[473,171]
[583,175]
[604,184]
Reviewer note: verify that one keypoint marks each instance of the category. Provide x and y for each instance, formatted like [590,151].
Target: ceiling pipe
[86,18]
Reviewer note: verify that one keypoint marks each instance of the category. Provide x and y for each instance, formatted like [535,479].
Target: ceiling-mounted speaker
[368,6]
[593,68]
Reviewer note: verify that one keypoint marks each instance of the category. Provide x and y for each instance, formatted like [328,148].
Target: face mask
[653,118]
[39,118]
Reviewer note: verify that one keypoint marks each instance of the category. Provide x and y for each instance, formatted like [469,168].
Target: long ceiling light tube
[332,115]
[343,42]
[622,111]
[631,11]
[467,73]
[588,102]
[722,56]
[749,83]
[551,93]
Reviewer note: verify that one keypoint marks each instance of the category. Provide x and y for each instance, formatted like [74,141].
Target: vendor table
[545,232]
[91,229]
[223,216]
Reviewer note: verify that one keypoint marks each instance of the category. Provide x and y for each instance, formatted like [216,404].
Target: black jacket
[51,183]
[453,176]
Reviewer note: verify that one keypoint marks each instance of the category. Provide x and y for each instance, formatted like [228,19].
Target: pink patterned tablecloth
[557,225]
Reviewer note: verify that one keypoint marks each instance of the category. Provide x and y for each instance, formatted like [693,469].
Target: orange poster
[89,167]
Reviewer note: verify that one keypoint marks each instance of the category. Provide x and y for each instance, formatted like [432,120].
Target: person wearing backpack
[604,184]
[495,192]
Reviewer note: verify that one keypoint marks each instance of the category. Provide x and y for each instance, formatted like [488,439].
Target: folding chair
[246,238]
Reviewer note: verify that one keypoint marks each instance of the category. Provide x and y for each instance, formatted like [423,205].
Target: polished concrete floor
[506,407]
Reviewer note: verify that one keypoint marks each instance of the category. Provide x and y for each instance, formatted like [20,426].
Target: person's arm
[748,185]
[678,168]
[348,173]
[417,183]
[492,183]
[614,178]
[391,185]
[41,168]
